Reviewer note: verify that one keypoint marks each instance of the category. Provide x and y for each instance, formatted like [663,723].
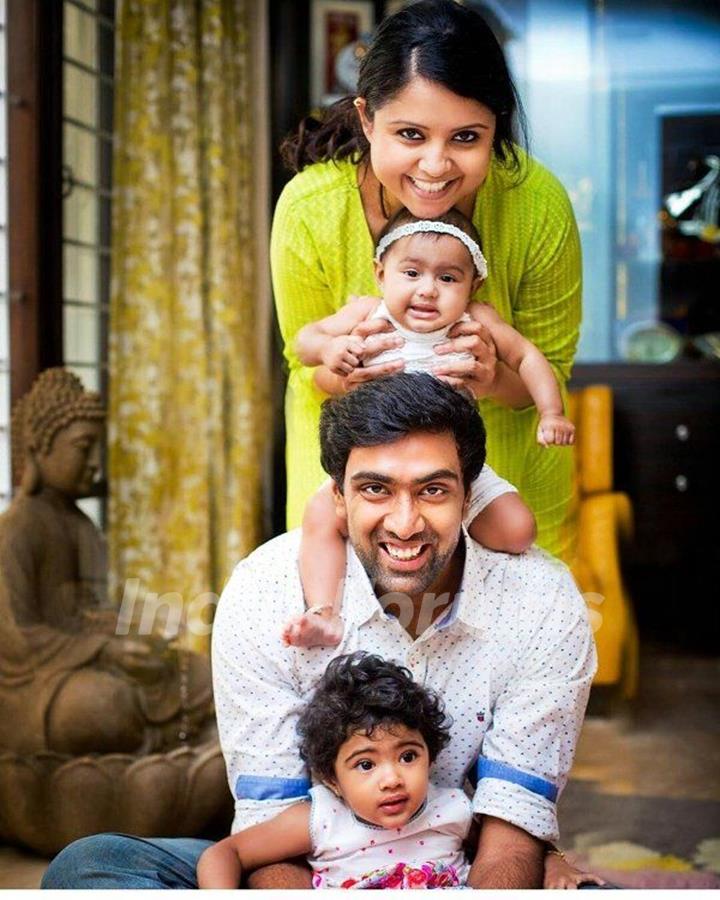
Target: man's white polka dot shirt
[513,659]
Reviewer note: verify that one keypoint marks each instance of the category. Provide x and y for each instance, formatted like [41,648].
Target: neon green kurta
[322,251]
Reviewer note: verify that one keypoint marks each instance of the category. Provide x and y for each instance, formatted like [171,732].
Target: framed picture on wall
[339,29]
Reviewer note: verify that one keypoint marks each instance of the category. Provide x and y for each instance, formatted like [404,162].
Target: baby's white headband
[425,225]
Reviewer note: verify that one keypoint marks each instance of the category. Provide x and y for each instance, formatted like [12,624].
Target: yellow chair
[605,520]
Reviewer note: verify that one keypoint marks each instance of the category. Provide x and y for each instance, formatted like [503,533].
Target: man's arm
[507,857]
[293,875]
[256,700]
[528,749]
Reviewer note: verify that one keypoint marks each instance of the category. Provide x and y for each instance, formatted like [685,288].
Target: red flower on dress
[444,878]
[394,879]
[417,878]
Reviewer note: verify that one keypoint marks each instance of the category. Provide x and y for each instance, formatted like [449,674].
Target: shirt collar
[359,601]
[469,609]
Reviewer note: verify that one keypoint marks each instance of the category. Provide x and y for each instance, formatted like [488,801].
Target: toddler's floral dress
[425,853]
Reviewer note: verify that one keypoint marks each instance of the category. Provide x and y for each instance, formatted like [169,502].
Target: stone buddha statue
[68,683]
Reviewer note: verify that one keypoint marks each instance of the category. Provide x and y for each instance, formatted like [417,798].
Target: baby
[369,736]
[428,270]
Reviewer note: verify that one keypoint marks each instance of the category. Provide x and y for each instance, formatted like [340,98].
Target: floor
[643,804]
[19,869]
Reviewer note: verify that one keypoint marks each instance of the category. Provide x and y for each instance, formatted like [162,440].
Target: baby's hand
[342,354]
[560,875]
[378,335]
[554,429]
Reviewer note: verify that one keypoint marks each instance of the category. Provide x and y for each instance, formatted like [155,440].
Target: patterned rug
[642,807]
[634,866]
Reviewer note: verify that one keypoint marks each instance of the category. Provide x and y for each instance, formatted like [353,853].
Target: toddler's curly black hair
[358,693]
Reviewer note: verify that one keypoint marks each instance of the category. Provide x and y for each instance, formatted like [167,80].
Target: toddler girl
[369,735]
[428,271]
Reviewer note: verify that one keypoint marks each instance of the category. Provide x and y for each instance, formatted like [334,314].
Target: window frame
[37,179]
[34,63]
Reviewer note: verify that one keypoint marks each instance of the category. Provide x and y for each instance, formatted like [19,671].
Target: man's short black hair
[360,692]
[388,409]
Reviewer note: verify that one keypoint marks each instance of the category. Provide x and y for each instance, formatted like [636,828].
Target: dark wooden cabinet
[667,459]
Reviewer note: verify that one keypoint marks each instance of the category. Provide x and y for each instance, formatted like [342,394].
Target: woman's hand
[370,373]
[376,335]
[476,375]
[378,331]
[349,353]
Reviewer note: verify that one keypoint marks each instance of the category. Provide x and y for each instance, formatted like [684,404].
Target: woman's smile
[431,190]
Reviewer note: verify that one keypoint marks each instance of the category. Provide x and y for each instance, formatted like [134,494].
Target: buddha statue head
[57,429]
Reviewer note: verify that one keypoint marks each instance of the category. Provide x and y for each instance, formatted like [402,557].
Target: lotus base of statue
[48,800]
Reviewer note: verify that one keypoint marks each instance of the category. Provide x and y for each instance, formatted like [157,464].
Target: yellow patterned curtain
[187,402]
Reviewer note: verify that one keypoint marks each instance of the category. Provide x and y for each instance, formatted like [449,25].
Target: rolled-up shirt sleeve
[256,698]
[529,747]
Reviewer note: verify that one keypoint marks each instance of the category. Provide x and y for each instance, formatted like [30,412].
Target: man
[504,639]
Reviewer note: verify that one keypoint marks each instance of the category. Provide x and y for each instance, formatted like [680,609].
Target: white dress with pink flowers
[426,853]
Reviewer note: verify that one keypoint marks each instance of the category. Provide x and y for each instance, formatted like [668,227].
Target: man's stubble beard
[428,575]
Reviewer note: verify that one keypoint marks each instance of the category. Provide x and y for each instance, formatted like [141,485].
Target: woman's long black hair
[439,40]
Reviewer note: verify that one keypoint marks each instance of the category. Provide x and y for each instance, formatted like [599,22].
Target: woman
[433,128]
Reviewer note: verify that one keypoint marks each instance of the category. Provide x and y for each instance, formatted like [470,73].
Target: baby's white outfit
[417,352]
[419,356]
[426,853]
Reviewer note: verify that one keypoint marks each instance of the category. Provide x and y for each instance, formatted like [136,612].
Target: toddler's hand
[553,429]
[342,354]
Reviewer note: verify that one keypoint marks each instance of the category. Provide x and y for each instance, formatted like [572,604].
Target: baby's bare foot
[319,626]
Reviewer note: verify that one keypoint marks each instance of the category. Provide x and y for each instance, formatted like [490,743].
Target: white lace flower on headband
[425,225]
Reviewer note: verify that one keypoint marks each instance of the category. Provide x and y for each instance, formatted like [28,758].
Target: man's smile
[405,557]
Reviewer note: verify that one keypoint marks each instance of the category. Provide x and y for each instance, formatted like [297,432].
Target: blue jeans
[122,861]
[115,861]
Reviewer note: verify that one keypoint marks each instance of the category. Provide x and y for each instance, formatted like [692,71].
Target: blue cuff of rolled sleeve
[264,787]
